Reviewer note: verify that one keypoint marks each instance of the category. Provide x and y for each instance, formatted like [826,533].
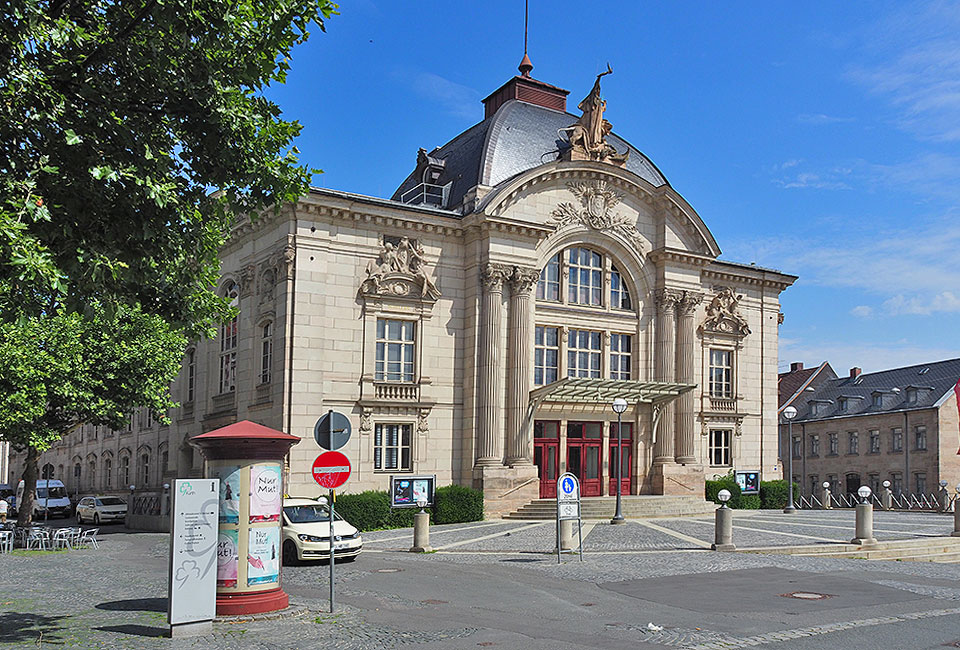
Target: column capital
[493,275]
[667,299]
[522,279]
[689,301]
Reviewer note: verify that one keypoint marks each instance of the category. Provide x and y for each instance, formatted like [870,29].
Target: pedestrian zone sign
[568,488]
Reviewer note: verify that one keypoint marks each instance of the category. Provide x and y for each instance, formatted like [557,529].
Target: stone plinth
[505,489]
[678,480]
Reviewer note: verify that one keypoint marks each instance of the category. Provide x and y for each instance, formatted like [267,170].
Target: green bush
[774,494]
[748,502]
[371,510]
[368,510]
[724,483]
[456,504]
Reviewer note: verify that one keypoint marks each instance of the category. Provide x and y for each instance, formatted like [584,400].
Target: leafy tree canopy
[130,132]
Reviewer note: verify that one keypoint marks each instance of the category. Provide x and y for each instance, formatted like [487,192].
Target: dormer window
[843,402]
[911,396]
[878,399]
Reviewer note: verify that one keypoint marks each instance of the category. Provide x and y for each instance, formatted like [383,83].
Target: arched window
[228,343]
[548,288]
[124,471]
[266,352]
[76,474]
[145,470]
[108,473]
[586,277]
[92,474]
[60,471]
[619,294]
[47,472]
[191,374]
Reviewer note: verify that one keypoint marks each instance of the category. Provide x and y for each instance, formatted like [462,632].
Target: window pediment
[399,272]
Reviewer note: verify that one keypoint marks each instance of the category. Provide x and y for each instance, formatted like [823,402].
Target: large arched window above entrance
[578,275]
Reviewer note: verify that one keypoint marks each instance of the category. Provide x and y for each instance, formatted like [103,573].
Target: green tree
[130,133]
[60,371]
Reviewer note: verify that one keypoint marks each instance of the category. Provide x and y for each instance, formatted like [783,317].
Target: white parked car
[306,532]
[101,510]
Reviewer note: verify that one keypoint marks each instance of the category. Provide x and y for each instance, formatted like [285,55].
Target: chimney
[796,365]
[854,372]
[526,89]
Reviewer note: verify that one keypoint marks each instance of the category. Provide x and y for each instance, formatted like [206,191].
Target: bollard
[566,535]
[723,531]
[421,533]
[956,519]
[826,500]
[864,526]
[886,499]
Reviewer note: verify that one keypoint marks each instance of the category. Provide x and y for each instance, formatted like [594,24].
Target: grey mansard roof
[518,137]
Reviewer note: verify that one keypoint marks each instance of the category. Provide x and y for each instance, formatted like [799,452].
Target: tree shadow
[135,605]
[24,627]
[134,630]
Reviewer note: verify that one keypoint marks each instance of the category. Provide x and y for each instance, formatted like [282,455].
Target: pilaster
[686,451]
[519,445]
[489,388]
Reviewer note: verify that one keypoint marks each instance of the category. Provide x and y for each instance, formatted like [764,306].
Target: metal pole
[332,560]
[790,509]
[618,515]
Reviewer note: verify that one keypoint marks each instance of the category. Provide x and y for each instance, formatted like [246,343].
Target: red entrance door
[584,440]
[626,447]
[546,456]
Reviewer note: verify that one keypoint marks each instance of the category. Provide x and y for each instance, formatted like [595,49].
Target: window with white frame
[619,294]
[621,351]
[546,351]
[721,373]
[392,447]
[266,352]
[583,354]
[920,437]
[395,350]
[720,451]
[548,288]
[191,374]
[875,441]
[586,277]
[228,343]
[896,439]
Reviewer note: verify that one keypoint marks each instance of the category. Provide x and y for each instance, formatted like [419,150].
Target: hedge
[371,510]
[773,494]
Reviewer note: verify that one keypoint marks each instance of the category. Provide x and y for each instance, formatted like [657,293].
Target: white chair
[38,539]
[90,537]
[6,541]
[62,538]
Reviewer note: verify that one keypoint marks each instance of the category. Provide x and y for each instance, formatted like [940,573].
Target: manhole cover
[806,595]
[388,570]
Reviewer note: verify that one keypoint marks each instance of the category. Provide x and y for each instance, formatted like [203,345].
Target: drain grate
[806,595]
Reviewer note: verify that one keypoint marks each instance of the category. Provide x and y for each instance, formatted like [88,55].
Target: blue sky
[821,139]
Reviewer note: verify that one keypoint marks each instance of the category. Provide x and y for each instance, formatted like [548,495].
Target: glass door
[624,454]
[584,440]
[546,456]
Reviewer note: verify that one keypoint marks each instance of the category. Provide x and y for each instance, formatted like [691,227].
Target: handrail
[524,484]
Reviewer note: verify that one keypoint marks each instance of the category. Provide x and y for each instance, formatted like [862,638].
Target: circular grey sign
[332,430]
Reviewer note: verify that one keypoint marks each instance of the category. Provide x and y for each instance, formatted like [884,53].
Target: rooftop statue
[588,136]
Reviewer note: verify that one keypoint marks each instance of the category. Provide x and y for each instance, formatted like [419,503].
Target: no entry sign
[331,469]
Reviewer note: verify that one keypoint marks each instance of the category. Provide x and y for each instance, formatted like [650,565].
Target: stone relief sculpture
[399,270]
[588,136]
[723,315]
[597,200]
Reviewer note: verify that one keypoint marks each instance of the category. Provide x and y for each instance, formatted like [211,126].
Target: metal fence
[147,504]
[932,502]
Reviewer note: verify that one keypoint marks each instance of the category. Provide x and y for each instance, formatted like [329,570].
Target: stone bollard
[421,533]
[827,499]
[723,531]
[886,499]
[944,500]
[864,526]
[566,535]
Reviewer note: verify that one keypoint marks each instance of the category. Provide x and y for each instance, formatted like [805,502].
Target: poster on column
[265,496]
[228,558]
[229,476]
[263,556]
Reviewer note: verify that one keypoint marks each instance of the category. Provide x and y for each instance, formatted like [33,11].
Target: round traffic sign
[332,430]
[331,469]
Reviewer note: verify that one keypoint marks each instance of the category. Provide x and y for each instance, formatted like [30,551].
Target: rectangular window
[108,475]
[875,442]
[548,288]
[620,356]
[896,483]
[815,484]
[832,480]
[834,444]
[266,353]
[546,355]
[853,442]
[814,445]
[191,374]
[920,481]
[720,447]
[395,349]
[95,432]
[721,373]
[920,437]
[586,277]
[391,447]
[878,399]
[583,354]
[896,440]
[874,480]
[228,357]
[796,447]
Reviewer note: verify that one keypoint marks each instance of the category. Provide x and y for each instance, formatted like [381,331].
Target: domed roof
[517,137]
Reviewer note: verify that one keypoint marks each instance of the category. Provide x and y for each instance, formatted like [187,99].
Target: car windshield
[308,514]
[54,493]
[111,501]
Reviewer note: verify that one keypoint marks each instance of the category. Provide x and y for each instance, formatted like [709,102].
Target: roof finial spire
[526,65]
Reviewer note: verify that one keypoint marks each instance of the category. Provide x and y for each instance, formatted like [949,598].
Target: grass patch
[22,552]
[328,619]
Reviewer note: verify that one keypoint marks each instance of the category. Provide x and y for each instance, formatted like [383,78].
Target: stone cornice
[678,256]
[759,277]
[484,223]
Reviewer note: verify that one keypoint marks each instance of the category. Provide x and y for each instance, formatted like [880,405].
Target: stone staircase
[633,507]
[920,549]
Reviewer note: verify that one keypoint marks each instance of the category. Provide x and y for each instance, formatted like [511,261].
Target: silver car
[101,510]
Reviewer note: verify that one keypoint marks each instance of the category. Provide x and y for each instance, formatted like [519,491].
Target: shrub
[456,504]
[368,510]
[371,510]
[774,494]
[724,483]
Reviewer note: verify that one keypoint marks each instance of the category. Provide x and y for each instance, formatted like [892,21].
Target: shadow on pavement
[134,630]
[24,627]
[135,605]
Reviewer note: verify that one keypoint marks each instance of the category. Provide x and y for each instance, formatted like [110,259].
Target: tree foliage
[63,370]
[130,133]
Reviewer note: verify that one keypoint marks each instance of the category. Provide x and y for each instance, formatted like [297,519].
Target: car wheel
[96,519]
[79,518]
[290,553]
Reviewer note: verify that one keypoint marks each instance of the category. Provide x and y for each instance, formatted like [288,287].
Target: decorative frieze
[597,201]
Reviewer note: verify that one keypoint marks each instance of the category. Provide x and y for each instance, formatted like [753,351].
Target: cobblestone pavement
[496,584]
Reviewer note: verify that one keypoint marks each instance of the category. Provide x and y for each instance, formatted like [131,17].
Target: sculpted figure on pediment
[399,270]
[723,315]
[588,136]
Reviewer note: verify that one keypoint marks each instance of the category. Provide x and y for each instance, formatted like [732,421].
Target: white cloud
[862,311]
[819,119]
[455,98]
[871,358]
[945,301]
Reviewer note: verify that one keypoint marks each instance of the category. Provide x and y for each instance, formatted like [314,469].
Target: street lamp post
[790,412]
[619,406]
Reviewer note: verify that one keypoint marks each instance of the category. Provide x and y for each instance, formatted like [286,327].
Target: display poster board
[193,551]
[406,491]
[749,482]
[263,556]
[229,476]
[228,558]
[265,495]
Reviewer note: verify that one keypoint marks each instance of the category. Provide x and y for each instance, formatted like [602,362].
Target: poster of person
[229,476]
[228,558]
[263,555]
[265,494]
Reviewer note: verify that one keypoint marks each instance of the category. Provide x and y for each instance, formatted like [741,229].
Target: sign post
[331,469]
[568,508]
[192,577]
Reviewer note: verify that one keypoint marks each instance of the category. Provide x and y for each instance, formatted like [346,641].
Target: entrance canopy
[603,391]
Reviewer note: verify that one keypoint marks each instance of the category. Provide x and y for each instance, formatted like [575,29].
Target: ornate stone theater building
[478,324]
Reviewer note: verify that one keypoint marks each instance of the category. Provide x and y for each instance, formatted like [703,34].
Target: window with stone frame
[124,471]
[144,469]
[92,474]
[392,447]
[191,375]
[875,441]
[834,483]
[395,350]
[721,373]
[546,354]
[621,356]
[796,447]
[266,352]
[619,294]
[834,444]
[815,484]
[814,445]
[920,482]
[874,481]
[229,338]
[720,450]
[853,442]
[585,283]
[583,354]
[108,473]
[920,437]
[896,483]
[548,288]
[896,440]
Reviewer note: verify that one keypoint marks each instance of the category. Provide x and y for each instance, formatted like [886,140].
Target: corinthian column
[686,366]
[489,389]
[665,354]
[518,379]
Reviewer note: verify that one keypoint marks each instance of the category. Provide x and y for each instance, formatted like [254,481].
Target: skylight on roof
[923,371]
[859,380]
